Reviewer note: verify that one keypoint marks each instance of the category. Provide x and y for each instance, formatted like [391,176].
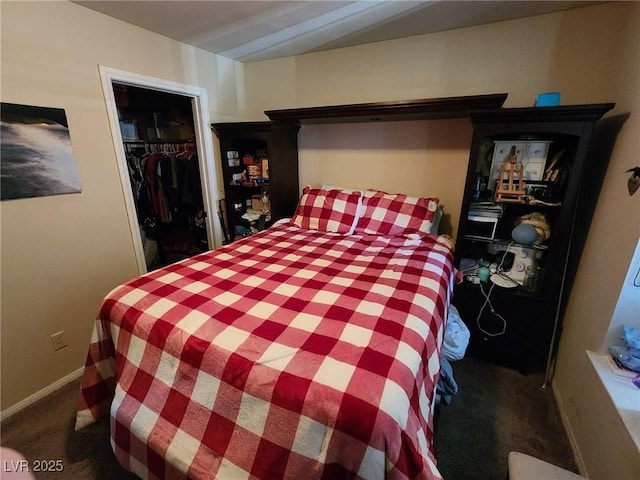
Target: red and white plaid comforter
[289,354]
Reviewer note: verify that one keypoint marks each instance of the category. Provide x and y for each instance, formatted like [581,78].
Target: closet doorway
[159,136]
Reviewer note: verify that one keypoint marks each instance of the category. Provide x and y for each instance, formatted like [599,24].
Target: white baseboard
[567,426]
[31,399]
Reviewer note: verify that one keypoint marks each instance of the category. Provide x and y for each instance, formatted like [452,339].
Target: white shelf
[624,395]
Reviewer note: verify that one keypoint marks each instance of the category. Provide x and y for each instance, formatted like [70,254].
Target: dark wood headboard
[425,109]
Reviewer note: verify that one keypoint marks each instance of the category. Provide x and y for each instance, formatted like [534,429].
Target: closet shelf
[424,109]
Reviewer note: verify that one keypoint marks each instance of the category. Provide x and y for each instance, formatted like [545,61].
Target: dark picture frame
[36,153]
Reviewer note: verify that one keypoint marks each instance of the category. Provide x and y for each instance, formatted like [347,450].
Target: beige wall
[420,155]
[608,251]
[590,55]
[62,254]
[522,57]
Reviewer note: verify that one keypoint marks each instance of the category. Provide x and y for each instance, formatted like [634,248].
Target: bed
[308,350]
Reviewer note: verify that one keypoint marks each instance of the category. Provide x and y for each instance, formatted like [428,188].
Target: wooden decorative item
[510,183]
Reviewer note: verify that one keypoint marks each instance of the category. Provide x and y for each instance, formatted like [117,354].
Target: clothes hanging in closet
[166,185]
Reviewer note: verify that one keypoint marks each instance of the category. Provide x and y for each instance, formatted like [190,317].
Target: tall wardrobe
[162,160]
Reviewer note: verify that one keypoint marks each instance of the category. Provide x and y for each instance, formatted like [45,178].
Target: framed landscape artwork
[36,158]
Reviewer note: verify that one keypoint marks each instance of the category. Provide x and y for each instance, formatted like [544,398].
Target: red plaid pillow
[396,214]
[328,210]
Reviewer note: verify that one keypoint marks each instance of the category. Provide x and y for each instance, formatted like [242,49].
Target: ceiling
[250,31]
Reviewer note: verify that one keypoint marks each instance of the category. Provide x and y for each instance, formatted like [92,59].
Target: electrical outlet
[58,341]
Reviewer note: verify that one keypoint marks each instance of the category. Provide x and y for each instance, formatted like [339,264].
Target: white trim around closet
[204,143]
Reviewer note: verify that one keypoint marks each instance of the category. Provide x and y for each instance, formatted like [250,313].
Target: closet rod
[159,146]
[156,142]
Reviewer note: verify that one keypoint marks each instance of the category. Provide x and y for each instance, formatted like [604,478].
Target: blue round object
[524,234]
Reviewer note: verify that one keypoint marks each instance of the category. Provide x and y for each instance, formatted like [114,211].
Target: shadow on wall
[449,134]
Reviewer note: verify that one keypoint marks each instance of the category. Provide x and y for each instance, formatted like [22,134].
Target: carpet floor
[497,410]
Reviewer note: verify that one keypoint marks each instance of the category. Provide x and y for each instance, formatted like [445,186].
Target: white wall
[61,255]
[591,55]
[627,311]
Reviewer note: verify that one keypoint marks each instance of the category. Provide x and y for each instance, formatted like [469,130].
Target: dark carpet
[45,431]
[497,410]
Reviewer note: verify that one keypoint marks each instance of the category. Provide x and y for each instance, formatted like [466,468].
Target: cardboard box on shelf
[257,203]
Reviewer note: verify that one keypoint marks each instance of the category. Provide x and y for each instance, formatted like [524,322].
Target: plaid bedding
[289,354]
[395,214]
[328,210]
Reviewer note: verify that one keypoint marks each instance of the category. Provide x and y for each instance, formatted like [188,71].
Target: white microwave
[481,227]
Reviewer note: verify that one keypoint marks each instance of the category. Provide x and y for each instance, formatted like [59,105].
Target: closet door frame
[204,142]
